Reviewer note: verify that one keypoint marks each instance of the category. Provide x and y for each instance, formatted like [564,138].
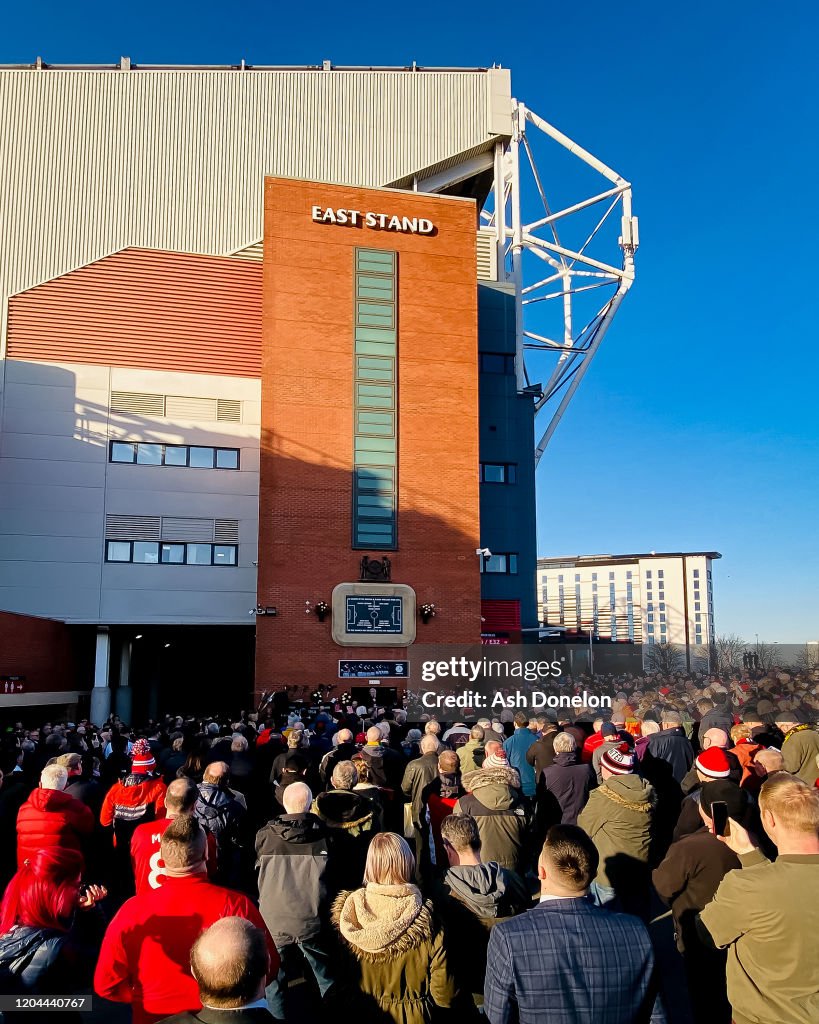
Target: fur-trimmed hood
[630,791]
[379,923]
[482,777]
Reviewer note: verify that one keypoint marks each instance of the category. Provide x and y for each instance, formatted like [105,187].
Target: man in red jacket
[145,954]
[51,817]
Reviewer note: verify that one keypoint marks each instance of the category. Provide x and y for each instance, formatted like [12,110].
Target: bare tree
[664,658]
[729,651]
[807,658]
[767,654]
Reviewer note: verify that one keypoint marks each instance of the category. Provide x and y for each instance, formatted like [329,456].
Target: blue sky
[696,427]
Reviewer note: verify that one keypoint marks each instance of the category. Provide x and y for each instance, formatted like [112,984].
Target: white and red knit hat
[142,758]
[497,760]
[618,760]
[714,763]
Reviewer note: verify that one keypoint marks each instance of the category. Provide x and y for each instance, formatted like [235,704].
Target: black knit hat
[729,793]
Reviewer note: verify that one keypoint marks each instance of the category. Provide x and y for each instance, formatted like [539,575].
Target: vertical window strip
[375,442]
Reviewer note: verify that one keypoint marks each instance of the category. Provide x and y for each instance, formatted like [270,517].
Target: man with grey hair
[51,817]
[471,754]
[294,861]
[230,962]
[671,746]
[222,811]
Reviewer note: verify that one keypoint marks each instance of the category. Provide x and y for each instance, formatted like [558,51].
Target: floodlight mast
[572,271]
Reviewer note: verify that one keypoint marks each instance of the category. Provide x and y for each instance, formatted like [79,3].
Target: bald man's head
[345,736]
[217,773]
[180,797]
[716,738]
[230,962]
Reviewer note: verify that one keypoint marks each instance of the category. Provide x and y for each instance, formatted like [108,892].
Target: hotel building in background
[641,599]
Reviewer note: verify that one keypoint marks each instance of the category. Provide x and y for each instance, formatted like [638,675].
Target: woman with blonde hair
[397,963]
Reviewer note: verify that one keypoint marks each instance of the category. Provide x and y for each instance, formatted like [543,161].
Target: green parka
[393,964]
[618,818]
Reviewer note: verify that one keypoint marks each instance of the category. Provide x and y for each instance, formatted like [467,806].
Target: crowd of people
[315,861]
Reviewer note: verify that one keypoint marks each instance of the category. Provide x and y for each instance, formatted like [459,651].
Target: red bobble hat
[714,763]
[142,758]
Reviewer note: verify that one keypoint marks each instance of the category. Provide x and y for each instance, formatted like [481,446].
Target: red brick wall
[42,650]
[307,422]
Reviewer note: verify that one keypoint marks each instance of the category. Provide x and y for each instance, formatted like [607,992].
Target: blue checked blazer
[569,962]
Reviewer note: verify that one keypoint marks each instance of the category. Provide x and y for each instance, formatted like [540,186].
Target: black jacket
[541,754]
[352,819]
[343,752]
[715,718]
[417,776]
[293,861]
[566,785]
[672,746]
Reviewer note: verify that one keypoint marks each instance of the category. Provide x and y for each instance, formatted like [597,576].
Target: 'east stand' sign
[367,219]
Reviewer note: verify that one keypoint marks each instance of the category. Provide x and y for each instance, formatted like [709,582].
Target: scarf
[376,916]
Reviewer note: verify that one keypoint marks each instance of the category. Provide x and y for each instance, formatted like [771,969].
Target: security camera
[483,551]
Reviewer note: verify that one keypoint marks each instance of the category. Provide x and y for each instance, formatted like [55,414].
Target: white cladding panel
[57,487]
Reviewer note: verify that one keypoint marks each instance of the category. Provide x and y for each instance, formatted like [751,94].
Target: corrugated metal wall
[146,309]
[95,161]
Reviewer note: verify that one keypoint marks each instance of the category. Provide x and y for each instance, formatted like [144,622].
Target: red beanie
[714,763]
[142,758]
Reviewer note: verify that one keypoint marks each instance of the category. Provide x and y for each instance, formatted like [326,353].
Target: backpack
[216,811]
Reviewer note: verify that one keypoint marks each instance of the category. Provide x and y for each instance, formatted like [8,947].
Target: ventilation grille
[178,407]
[172,528]
[132,527]
[135,401]
[226,531]
[228,410]
[487,255]
[177,528]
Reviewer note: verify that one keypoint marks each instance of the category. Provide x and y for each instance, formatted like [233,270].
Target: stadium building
[262,419]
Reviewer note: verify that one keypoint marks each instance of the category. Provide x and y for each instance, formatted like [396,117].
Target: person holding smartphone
[687,880]
[767,915]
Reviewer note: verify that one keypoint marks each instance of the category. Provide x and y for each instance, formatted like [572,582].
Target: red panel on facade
[500,616]
[36,655]
[145,309]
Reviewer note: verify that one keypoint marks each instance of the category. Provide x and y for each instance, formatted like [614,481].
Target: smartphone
[719,818]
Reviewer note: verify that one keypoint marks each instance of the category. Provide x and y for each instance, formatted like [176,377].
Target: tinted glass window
[173,554]
[146,551]
[201,458]
[118,551]
[176,455]
[199,554]
[224,554]
[122,452]
[149,454]
[227,458]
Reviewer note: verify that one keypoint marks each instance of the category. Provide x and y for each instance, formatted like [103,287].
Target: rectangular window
[650,606]
[118,551]
[660,573]
[662,606]
[696,574]
[650,630]
[497,473]
[611,575]
[698,617]
[628,575]
[648,574]
[176,455]
[227,458]
[577,577]
[146,551]
[153,553]
[594,576]
[199,554]
[696,606]
[195,456]
[650,617]
[662,617]
[375,444]
[149,454]
[496,362]
[173,554]
[122,451]
[503,564]
[224,554]
[200,458]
